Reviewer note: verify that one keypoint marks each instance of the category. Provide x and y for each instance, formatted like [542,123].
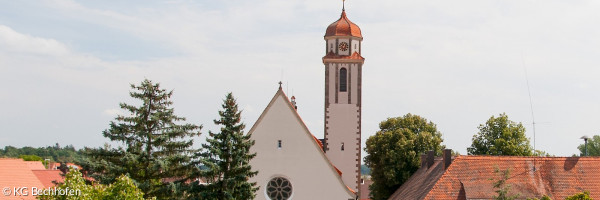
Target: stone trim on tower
[343,110]
[349,85]
[337,82]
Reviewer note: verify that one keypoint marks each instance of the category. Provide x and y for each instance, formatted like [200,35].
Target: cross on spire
[343,5]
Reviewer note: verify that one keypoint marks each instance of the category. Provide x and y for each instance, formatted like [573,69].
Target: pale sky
[66,65]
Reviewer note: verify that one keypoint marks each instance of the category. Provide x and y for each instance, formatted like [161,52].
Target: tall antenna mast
[530,105]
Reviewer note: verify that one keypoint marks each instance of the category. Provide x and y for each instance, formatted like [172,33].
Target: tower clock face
[343,46]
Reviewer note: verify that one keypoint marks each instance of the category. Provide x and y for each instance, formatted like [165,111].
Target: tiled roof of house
[472,177]
[48,177]
[421,182]
[35,165]
[15,173]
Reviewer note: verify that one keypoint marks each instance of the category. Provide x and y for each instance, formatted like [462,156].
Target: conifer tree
[155,150]
[226,157]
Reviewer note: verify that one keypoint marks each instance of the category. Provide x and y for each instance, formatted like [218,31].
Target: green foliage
[503,188]
[394,151]
[542,153]
[364,170]
[500,136]
[30,158]
[593,146]
[580,196]
[543,198]
[122,189]
[227,157]
[66,154]
[154,146]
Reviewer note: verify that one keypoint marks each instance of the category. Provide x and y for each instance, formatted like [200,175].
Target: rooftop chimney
[423,160]
[447,158]
[430,159]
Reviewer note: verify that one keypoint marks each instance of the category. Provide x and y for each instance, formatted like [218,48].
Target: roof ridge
[459,157]
[490,157]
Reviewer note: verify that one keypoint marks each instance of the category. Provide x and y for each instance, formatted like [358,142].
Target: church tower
[343,77]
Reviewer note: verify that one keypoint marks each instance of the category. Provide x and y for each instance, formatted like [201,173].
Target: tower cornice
[342,37]
[354,58]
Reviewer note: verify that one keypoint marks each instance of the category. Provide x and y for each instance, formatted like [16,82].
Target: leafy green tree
[502,188]
[123,189]
[545,197]
[66,154]
[226,157]
[30,158]
[74,181]
[154,146]
[394,151]
[500,136]
[580,196]
[542,153]
[364,170]
[593,146]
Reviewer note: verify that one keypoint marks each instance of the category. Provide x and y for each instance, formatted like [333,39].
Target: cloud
[112,112]
[455,63]
[13,42]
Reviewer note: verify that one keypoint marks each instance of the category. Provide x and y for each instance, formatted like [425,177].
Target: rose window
[279,189]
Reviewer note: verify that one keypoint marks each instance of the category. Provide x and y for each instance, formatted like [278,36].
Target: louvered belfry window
[343,80]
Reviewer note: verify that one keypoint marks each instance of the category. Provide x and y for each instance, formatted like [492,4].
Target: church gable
[289,160]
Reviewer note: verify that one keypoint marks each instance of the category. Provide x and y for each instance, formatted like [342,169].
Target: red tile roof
[15,173]
[472,177]
[35,165]
[421,182]
[48,177]
[343,27]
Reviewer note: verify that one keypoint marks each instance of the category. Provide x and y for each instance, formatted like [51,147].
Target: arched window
[343,80]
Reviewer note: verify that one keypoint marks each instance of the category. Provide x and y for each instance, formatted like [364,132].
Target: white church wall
[299,159]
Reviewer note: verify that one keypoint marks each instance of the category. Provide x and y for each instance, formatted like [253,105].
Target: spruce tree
[155,149]
[226,157]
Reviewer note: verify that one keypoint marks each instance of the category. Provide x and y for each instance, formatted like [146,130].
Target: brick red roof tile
[48,177]
[472,177]
[421,182]
[16,173]
[35,165]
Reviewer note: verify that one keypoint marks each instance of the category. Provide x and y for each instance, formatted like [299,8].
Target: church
[294,164]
